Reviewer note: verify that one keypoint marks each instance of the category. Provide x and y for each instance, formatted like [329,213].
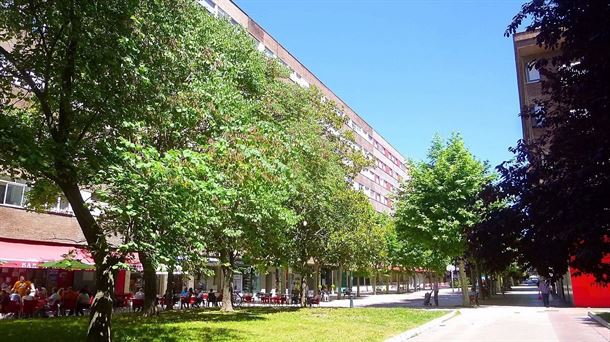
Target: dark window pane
[14,194]
[2,191]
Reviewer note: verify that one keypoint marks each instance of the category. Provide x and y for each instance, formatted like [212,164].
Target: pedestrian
[435,293]
[545,291]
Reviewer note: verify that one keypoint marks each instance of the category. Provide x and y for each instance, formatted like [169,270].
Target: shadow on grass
[175,325]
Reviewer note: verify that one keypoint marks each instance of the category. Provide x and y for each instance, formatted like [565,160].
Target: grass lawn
[605,316]
[246,324]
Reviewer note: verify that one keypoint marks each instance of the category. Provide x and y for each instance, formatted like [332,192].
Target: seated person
[6,285]
[29,296]
[211,298]
[82,302]
[325,295]
[5,298]
[199,296]
[70,294]
[22,286]
[139,294]
[41,293]
[56,297]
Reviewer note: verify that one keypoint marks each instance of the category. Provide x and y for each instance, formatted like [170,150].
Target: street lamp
[451,268]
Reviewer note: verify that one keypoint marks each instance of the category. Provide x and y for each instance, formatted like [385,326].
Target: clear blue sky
[410,68]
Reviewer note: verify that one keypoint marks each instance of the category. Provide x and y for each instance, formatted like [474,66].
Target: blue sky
[410,68]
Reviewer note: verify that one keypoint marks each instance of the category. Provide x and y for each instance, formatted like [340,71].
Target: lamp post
[451,268]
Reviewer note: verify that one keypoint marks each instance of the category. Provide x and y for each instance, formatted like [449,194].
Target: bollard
[351,301]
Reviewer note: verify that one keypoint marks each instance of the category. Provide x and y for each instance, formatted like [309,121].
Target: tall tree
[323,161]
[561,180]
[495,241]
[440,202]
[78,79]
[68,84]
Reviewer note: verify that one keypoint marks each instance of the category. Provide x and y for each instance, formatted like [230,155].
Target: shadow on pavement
[521,295]
[445,301]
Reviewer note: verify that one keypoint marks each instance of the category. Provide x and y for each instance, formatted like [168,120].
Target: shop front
[33,260]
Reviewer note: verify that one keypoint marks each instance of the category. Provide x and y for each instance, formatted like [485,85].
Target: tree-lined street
[173,159]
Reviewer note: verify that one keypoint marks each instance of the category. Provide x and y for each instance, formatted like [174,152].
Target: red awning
[30,254]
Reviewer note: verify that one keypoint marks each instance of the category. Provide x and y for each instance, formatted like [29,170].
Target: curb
[598,319]
[418,330]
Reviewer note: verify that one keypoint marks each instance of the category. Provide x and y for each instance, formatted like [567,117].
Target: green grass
[246,324]
[605,316]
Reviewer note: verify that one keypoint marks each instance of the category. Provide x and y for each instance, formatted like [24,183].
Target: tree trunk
[101,309]
[374,282]
[388,279]
[227,283]
[277,281]
[316,279]
[150,283]
[488,285]
[169,290]
[303,290]
[358,286]
[465,294]
[339,282]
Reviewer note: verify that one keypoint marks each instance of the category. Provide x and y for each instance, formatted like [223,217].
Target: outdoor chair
[29,307]
[69,304]
[13,307]
[122,300]
[54,309]
[315,300]
[248,298]
[184,302]
[137,304]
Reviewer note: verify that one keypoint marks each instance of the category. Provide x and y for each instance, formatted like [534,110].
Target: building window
[537,116]
[12,194]
[269,53]
[209,5]
[222,14]
[532,74]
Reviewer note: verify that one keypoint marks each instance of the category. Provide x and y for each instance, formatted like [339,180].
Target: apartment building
[529,81]
[380,182]
[27,239]
[577,290]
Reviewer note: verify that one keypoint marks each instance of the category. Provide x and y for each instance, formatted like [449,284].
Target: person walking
[545,291]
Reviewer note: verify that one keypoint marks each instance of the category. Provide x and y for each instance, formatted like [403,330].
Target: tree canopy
[560,181]
[440,202]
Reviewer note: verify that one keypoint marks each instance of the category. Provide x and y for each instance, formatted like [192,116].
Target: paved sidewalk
[447,300]
[518,316]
